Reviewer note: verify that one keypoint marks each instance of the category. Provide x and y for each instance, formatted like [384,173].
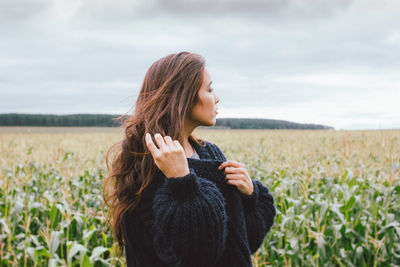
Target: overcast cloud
[311,61]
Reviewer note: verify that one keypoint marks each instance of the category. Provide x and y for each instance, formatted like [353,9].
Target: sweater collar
[205,158]
[202,150]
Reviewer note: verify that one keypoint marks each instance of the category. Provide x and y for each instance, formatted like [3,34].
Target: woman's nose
[216,102]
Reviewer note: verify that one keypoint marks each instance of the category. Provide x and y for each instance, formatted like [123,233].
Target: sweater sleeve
[260,212]
[190,221]
[258,208]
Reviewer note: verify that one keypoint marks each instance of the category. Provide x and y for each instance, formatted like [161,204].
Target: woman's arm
[260,212]
[258,207]
[190,221]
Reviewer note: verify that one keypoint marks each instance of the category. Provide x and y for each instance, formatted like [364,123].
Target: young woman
[174,199]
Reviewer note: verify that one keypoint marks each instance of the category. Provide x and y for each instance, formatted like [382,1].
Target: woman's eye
[211,89]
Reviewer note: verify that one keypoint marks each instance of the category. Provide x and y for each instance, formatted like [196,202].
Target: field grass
[336,193]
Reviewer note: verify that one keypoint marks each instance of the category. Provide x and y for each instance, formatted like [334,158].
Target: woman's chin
[214,121]
[209,123]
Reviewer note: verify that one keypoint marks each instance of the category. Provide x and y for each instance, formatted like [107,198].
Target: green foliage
[249,123]
[20,119]
[336,193]
[15,119]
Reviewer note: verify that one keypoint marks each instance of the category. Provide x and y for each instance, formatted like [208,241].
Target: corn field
[337,195]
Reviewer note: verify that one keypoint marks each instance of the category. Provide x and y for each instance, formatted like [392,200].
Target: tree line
[110,120]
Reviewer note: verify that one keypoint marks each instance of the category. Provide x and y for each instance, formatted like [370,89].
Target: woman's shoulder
[208,148]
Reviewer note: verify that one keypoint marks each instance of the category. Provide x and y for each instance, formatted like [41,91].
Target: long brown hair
[168,91]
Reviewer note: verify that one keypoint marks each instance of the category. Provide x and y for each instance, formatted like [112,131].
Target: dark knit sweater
[198,219]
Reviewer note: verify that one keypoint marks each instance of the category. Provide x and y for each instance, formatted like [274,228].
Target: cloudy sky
[327,62]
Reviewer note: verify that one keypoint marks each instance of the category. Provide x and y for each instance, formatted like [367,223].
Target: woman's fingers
[231,163]
[164,143]
[160,142]
[168,141]
[233,170]
[170,157]
[237,183]
[234,176]
[177,145]
[149,142]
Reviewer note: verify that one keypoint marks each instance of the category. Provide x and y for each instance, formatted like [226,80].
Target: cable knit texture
[198,219]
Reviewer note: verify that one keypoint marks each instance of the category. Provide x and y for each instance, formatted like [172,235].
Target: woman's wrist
[178,174]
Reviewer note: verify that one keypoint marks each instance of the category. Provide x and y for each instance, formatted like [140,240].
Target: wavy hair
[169,90]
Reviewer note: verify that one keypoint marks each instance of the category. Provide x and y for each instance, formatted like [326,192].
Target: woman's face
[204,112]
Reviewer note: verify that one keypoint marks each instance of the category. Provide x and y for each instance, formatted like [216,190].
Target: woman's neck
[189,149]
[188,128]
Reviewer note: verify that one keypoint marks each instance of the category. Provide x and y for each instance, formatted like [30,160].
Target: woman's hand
[236,174]
[170,157]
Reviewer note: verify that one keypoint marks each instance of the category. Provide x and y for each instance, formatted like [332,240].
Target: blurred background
[296,64]
[334,63]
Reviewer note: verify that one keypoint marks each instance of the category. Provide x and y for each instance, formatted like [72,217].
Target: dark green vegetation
[107,120]
[16,119]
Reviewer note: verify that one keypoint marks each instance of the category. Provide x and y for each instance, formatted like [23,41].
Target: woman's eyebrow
[210,83]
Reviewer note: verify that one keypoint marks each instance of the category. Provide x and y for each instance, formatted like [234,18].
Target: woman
[176,200]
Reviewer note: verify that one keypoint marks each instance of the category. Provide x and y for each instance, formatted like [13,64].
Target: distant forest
[106,120]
